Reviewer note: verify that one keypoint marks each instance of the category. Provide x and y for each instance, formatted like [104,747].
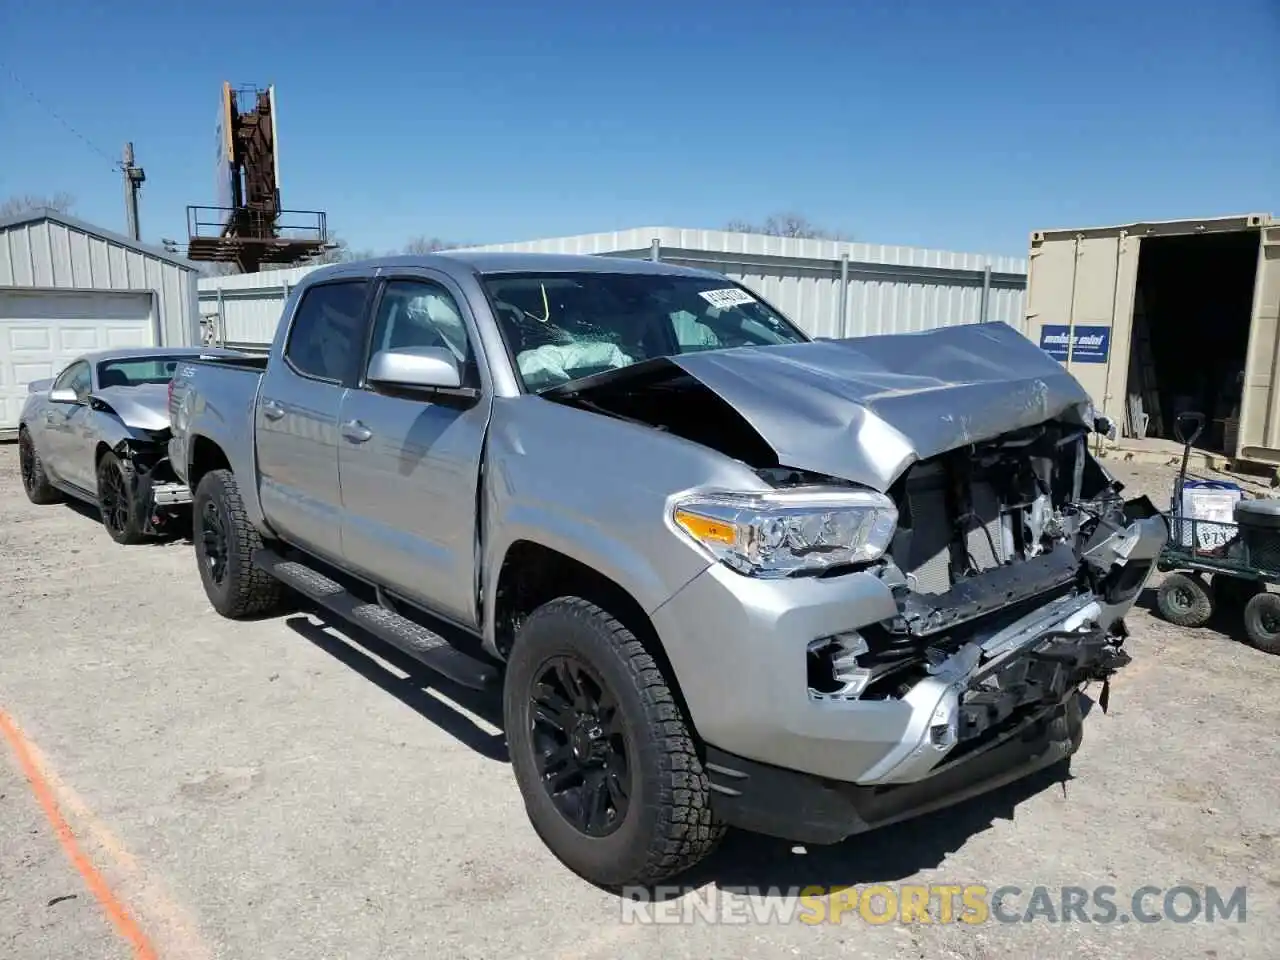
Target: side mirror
[416,368]
[1107,427]
[63,395]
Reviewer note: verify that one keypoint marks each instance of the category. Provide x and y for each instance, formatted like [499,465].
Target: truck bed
[227,385]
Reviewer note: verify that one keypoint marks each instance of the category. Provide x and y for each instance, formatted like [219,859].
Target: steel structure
[249,227]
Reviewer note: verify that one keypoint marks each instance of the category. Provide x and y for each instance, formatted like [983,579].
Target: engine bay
[988,536]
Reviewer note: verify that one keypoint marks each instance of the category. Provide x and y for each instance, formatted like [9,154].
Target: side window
[417,313]
[75,377]
[327,331]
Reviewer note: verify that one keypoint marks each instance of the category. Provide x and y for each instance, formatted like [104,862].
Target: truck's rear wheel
[604,760]
[225,541]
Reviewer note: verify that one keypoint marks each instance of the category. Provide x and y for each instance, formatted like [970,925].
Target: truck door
[409,465]
[296,420]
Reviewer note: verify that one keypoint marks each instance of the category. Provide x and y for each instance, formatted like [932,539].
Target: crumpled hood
[144,407]
[864,409]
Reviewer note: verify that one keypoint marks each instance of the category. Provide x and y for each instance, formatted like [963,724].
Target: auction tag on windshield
[728,297]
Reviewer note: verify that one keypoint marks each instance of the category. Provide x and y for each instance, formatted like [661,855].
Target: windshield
[134,371]
[563,326]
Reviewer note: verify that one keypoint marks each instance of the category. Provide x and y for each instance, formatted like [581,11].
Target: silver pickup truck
[725,575]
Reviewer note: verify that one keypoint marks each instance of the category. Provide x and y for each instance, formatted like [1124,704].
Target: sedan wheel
[117,480]
[34,482]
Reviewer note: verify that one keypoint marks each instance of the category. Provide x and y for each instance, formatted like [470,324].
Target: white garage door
[41,331]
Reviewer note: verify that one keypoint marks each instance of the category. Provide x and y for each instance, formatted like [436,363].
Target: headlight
[778,533]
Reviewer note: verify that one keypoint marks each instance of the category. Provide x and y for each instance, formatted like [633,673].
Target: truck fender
[584,542]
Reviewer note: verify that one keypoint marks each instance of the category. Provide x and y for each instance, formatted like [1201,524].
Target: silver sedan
[98,432]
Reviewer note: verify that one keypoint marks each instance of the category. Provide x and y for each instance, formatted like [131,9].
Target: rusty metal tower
[249,227]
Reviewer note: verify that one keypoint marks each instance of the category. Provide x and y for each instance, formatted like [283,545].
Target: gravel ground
[276,789]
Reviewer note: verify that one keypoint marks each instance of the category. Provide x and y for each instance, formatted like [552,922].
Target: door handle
[272,410]
[356,432]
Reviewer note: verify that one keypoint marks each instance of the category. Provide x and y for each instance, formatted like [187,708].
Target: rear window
[139,370]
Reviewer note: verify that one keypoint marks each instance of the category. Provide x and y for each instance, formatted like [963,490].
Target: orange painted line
[111,905]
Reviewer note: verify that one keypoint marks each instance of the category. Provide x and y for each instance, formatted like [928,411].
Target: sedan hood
[865,409]
[144,407]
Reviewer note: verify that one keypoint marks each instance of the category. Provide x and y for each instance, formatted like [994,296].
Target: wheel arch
[204,455]
[533,574]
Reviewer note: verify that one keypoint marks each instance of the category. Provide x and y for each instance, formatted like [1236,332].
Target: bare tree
[29,203]
[787,225]
[340,252]
[419,245]
[217,268]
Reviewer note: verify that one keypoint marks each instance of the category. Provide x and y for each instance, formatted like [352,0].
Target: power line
[115,164]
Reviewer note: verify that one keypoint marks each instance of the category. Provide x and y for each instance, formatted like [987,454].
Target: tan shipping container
[1157,318]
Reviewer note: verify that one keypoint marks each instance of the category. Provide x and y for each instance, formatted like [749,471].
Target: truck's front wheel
[604,759]
[225,541]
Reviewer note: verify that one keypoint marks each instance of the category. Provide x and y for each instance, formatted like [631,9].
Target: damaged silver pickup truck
[724,574]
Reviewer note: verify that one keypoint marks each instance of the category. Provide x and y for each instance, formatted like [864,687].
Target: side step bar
[427,647]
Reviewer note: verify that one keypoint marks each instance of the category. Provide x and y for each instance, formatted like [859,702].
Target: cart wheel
[1262,622]
[1232,593]
[1184,599]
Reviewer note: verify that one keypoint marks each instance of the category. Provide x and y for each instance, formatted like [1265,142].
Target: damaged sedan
[98,432]
[725,575]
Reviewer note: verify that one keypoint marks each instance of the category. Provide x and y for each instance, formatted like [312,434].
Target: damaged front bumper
[159,497]
[989,707]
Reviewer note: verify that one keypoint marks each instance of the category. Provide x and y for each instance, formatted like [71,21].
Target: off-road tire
[1262,622]
[244,590]
[1184,599]
[1233,593]
[132,530]
[669,824]
[36,483]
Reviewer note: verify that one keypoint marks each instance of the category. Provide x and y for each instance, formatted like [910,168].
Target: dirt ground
[176,785]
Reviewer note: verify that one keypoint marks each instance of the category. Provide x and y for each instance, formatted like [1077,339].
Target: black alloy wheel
[113,500]
[213,538]
[580,745]
[27,462]
[121,515]
[225,543]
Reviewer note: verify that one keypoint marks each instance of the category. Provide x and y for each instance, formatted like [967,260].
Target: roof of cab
[139,353]
[485,262]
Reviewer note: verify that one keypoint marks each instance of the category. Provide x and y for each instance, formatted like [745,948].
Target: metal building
[886,289]
[1162,318]
[67,286]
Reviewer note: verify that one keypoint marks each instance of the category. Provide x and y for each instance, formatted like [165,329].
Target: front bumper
[737,646]
[808,809]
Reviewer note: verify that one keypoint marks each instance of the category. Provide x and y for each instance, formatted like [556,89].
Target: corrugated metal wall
[890,289]
[49,254]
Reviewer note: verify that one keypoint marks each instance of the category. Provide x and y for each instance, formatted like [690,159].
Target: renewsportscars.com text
[933,903]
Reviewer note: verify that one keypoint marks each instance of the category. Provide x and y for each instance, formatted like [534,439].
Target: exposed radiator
[984,528]
[926,555]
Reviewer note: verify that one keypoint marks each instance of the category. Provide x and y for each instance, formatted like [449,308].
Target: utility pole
[133,178]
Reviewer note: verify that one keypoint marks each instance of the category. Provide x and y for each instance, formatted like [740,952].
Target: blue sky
[935,123]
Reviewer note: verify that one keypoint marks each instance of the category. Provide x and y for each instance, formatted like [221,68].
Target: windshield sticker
[728,297]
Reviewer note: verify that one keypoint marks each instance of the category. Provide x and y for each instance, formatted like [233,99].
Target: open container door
[1259,435]
[1080,293]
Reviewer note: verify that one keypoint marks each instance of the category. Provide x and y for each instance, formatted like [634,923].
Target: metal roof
[41,214]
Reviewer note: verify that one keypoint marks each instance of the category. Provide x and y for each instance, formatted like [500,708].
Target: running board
[426,646]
